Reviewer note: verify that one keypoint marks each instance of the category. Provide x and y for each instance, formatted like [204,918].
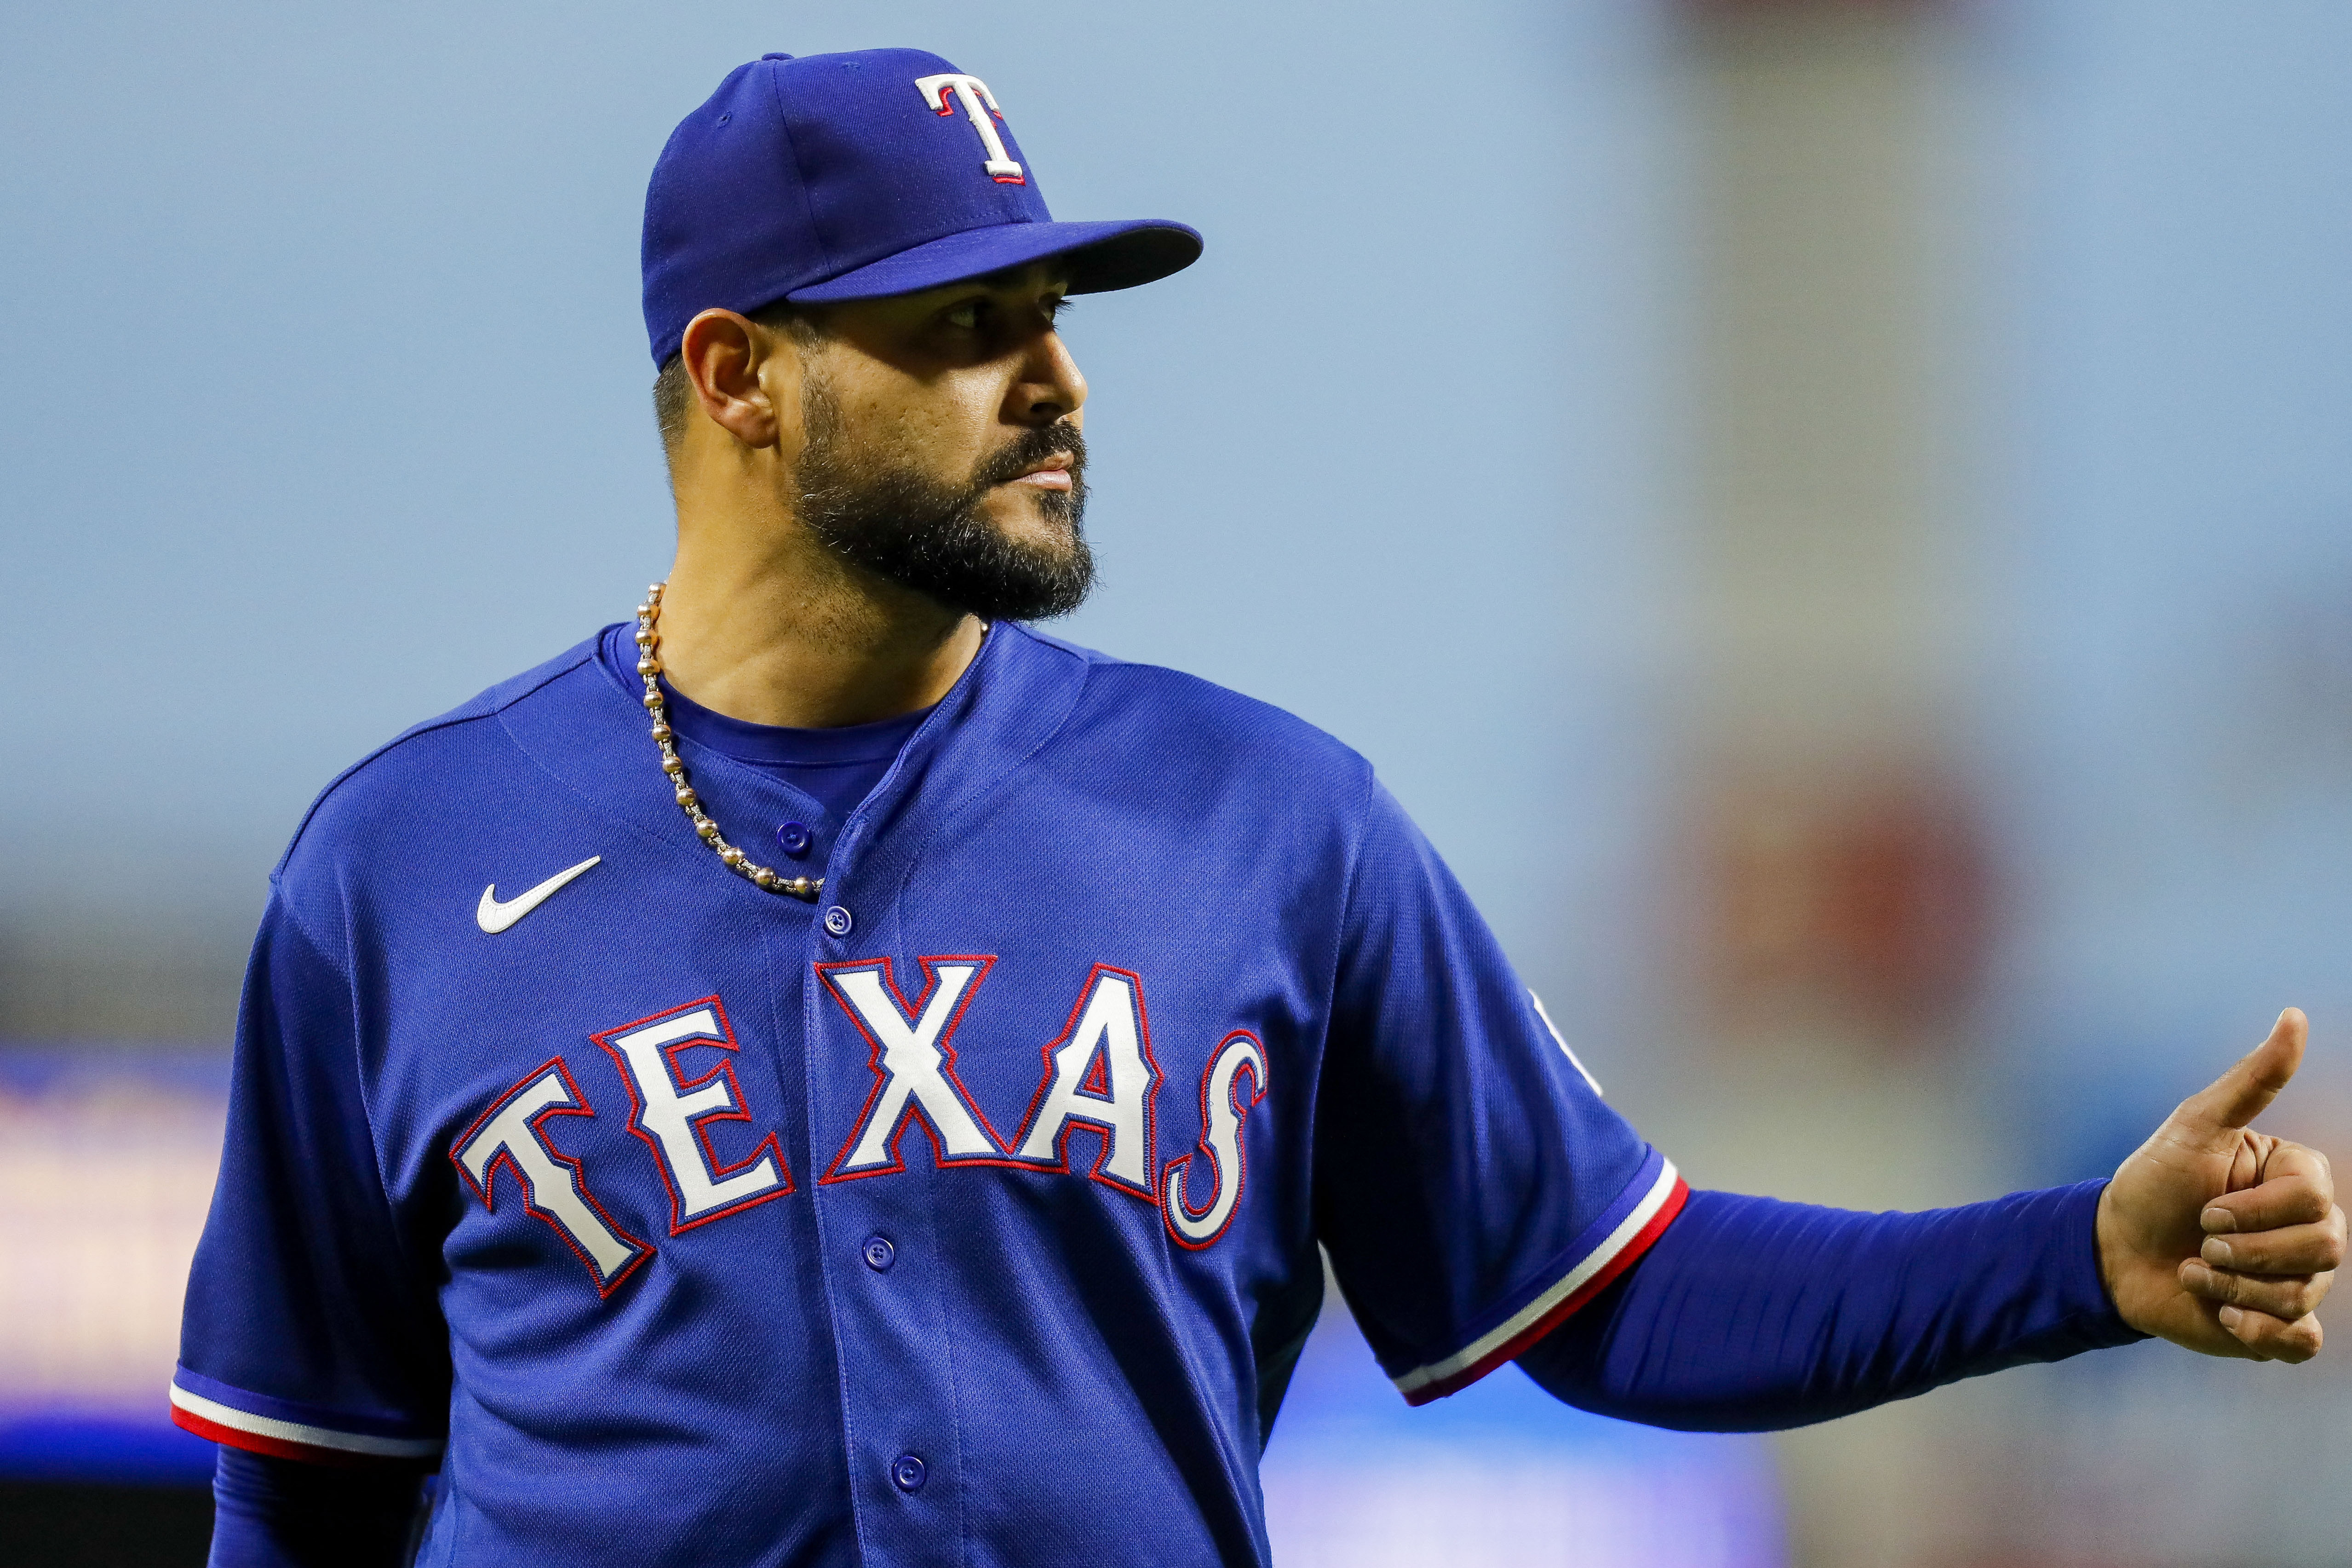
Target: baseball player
[824,1073]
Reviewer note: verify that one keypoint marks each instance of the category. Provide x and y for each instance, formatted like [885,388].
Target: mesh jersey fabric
[835,768]
[970,1215]
[1749,1314]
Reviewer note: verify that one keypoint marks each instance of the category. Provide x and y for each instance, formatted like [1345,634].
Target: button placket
[900,1418]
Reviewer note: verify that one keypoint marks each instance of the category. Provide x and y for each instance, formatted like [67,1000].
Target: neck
[776,629]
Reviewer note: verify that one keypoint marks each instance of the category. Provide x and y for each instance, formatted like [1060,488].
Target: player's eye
[967,317]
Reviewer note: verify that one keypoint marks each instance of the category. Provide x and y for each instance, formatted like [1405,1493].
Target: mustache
[1029,448]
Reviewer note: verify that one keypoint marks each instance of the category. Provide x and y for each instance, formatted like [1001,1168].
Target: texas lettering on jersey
[1099,1077]
[1131,1008]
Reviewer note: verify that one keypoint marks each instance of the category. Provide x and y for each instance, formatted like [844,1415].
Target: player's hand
[2222,1238]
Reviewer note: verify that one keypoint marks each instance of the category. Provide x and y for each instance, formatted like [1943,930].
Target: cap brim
[1101,256]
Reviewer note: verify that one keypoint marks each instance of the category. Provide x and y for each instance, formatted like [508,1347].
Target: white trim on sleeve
[236,1420]
[1566,1286]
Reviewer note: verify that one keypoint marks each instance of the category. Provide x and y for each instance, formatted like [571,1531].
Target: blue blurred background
[1832,514]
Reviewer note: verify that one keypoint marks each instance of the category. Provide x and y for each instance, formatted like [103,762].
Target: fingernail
[2195,1274]
[2230,1317]
[2217,1220]
[2215,1251]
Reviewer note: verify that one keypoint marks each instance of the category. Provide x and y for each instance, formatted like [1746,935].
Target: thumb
[2238,1096]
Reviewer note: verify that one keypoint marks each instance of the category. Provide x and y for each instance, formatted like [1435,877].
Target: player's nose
[1049,385]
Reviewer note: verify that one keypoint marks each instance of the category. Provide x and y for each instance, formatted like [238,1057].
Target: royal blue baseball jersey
[970,1215]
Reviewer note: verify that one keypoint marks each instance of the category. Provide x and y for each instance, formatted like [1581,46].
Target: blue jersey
[970,1215]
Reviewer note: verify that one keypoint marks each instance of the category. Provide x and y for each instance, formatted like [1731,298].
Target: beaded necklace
[649,666]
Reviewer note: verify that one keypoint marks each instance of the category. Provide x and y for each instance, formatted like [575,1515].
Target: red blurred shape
[1866,897]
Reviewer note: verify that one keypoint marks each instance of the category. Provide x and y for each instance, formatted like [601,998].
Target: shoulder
[1165,714]
[420,771]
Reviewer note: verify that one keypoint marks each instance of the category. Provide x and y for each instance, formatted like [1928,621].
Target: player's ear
[744,374]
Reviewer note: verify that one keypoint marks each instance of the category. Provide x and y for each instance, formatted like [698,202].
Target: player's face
[941,445]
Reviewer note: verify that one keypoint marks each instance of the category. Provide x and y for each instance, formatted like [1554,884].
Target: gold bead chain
[649,665]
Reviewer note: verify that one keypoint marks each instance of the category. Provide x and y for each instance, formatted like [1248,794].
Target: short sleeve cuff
[1608,1246]
[286,1430]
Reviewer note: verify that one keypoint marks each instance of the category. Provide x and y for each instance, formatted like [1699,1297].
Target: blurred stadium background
[1834,515]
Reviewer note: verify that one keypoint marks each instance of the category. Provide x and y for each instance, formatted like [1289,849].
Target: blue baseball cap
[853,176]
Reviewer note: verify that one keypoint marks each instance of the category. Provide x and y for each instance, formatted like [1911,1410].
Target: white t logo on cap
[978,105]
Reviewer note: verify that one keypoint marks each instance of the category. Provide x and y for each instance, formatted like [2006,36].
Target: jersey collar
[589,735]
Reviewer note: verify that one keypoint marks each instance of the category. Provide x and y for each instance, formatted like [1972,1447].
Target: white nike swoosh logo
[495,917]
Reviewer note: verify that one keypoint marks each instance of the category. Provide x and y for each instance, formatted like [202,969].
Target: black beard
[934,537]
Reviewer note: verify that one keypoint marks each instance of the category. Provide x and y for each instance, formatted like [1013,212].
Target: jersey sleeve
[311,1330]
[1754,1315]
[1472,1189]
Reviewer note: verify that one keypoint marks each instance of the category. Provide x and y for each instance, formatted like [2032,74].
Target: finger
[2298,1191]
[2291,1249]
[2284,1298]
[2271,1339]
[2238,1096]
[2295,1162]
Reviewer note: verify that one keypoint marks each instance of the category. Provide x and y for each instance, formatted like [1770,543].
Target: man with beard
[899,1108]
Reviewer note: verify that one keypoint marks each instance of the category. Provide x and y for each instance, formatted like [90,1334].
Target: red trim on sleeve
[279,1448]
[1511,1349]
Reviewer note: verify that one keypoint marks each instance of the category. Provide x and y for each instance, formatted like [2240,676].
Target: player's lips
[1050,473]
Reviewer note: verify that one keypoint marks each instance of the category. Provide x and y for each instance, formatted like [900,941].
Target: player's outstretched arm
[1750,1313]
[2219,1237]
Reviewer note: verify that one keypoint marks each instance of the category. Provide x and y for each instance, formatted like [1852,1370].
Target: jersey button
[838,921]
[880,1254]
[794,837]
[907,1473]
